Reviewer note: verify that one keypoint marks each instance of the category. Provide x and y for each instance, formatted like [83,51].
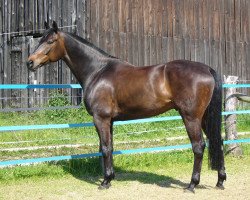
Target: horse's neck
[83,60]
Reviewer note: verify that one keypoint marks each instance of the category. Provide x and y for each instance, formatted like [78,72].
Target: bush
[58,99]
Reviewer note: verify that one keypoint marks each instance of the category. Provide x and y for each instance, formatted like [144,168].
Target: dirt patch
[236,187]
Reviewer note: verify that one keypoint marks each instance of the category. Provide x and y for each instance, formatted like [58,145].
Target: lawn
[139,176]
[156,169]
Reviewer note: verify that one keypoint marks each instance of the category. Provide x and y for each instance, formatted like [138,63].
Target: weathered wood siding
[143,32]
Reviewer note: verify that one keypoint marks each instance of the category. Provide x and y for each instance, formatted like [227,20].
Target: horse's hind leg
[193,127]
[221,176]
[221,172]
[104,129]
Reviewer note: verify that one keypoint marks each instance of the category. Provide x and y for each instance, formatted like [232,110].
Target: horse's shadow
[89,170]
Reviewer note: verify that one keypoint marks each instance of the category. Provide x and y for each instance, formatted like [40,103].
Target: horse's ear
[55,27]
[46,25]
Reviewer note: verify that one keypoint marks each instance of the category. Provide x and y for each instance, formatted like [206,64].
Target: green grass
[125,137]
[176,162]
[136,135]
[86,135]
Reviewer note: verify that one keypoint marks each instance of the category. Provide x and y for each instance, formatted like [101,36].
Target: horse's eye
[50,41]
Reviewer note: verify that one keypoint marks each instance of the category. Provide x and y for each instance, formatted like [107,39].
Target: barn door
[21,48]
[19,72]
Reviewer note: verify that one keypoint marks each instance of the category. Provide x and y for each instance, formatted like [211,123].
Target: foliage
[57,99]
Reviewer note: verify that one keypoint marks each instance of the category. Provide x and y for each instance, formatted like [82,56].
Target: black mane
[86,42]
[50,31]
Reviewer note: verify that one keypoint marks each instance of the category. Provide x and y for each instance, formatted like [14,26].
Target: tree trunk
[230,120]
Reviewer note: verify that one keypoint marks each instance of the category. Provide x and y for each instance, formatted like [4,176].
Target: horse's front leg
[104,126]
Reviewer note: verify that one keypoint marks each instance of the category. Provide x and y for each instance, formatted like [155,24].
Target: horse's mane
[48,32]
[86,42]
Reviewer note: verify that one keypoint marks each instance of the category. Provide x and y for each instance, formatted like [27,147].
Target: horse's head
[50,48]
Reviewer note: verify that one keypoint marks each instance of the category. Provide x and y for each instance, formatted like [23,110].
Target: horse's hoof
[104,186]
[189,190]
[220,187]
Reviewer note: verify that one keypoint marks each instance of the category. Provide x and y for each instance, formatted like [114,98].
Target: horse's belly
[142,111]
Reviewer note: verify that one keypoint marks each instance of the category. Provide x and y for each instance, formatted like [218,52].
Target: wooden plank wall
[145,32]
[142,32]
[21,22]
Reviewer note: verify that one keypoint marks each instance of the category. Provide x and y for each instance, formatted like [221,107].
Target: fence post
[230,120]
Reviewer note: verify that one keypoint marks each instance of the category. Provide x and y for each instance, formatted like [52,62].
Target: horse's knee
[198,148]
[106,150]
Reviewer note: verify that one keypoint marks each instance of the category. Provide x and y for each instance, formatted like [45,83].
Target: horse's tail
[212,125]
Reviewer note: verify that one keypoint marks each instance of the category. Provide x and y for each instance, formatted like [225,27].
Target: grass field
[141,176]
[160,170]
[42,142]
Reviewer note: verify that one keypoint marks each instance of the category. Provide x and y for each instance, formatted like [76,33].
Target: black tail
[212,125]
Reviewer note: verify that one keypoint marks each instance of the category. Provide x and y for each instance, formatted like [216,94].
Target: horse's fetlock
[109,175]
[196,179]
[222,176]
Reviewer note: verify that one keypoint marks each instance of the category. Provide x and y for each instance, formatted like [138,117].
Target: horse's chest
[98,100]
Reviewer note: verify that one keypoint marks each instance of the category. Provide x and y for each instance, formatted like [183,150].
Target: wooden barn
[142,32]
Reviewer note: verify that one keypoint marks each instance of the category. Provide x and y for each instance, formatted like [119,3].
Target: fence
[142,32]
[51,126]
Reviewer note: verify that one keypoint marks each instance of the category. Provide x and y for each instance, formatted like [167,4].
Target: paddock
[214,32]
[134,184]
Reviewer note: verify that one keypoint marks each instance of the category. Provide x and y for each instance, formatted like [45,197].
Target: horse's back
[188,69]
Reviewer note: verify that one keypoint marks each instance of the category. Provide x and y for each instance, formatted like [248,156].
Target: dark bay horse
[117,90]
